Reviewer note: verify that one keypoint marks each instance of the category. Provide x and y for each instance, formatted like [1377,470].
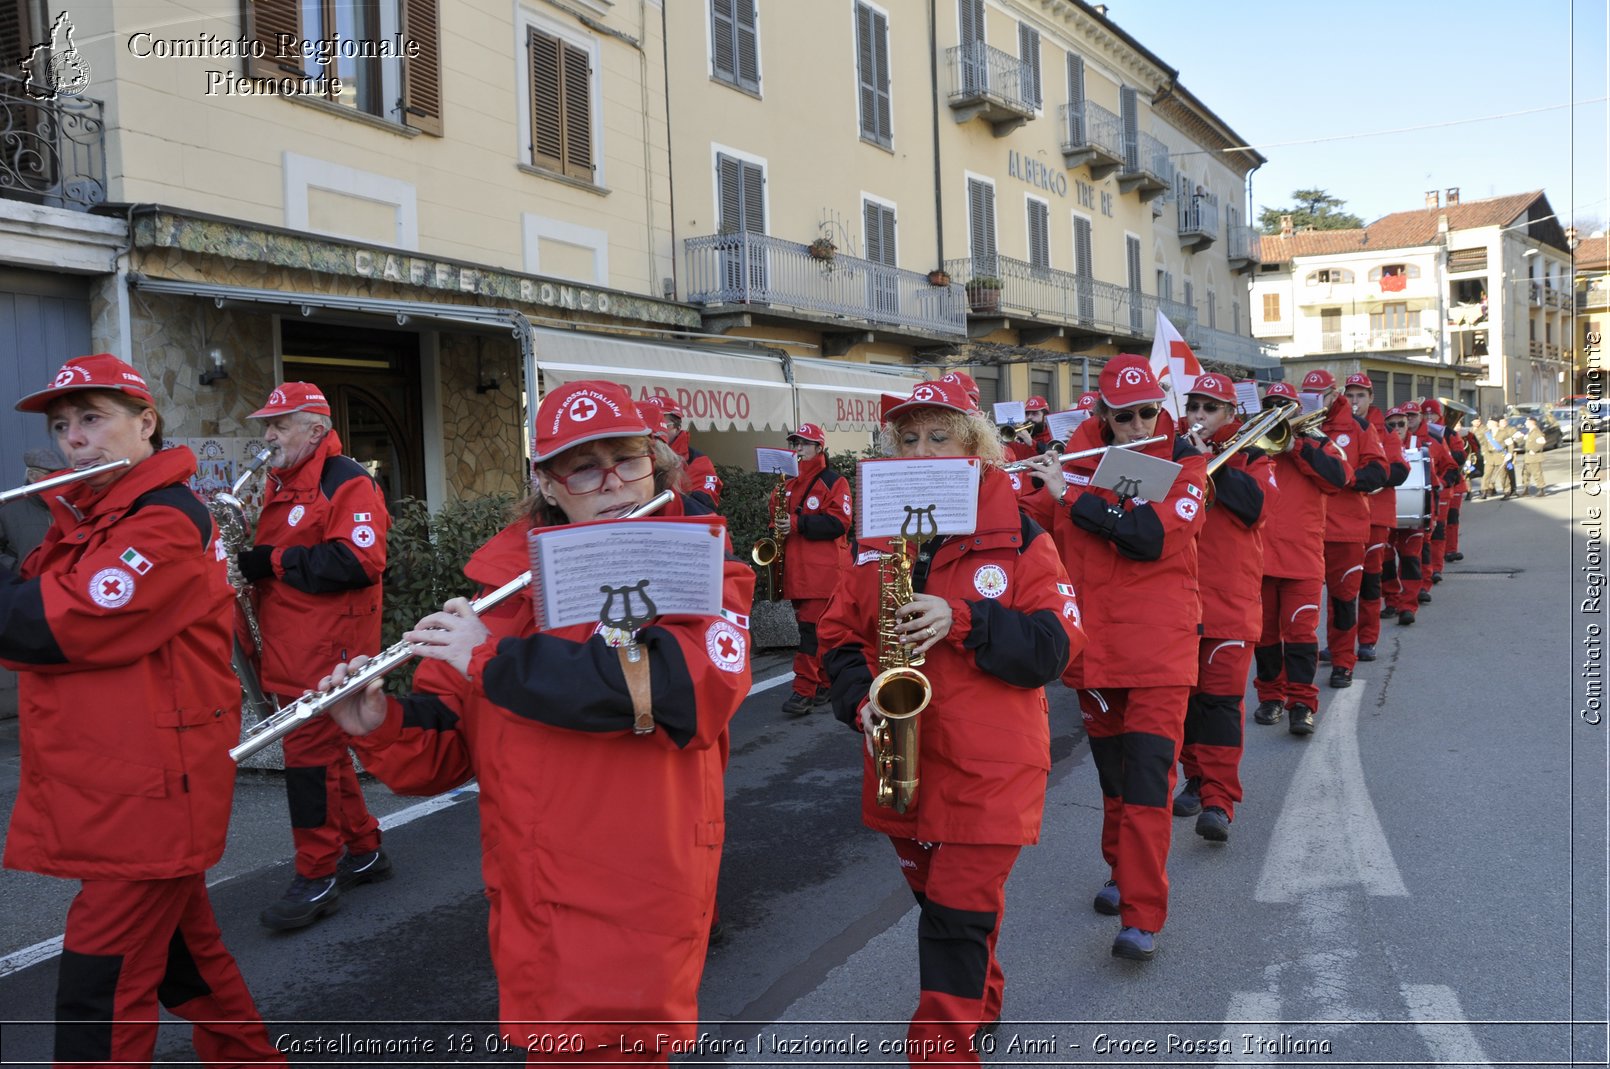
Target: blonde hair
[535,508]
[977,435]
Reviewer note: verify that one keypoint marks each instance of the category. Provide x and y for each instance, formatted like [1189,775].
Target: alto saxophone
[230,516]
[767,552]
[899,692]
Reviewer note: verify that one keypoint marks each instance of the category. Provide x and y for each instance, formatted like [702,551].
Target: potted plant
[822,249]
[939,277]
[984,293]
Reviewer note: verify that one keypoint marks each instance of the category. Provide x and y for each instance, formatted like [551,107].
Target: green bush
[744,495]
[425,558]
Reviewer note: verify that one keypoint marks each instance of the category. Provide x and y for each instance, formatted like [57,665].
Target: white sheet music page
[938,496]
[611,569]
[1131,473]
[1063,424]
[1009,412]
[1246,396]
[776,461]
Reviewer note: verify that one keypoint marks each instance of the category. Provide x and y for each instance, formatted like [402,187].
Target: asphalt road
[1421,882]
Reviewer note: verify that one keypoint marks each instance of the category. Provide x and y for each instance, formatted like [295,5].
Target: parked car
[1565,416]
[1551,429]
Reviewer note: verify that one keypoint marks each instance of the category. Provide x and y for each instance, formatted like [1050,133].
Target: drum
[1414,493]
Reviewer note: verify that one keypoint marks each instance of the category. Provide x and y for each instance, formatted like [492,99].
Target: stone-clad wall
[171,336]
[483,433]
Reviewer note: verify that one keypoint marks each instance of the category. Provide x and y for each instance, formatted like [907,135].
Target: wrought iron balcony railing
[1094,136]
[1199,221]
[52,152]
[988,82]
[1146,167]
[1246,246]
[1001,285]
[757,269]
[1227,348]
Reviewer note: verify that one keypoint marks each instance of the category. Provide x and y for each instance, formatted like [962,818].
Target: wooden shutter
[981,226]
[1271,307]
[1081,247]
[754,189]
[422,75]
[1132,257]
[1190,294]
[1028,50]
[547,101]
[747,45]
[1076,100]
[723,35]
[975,76]
[872,73]
[1039,234]
[1235,317]
[16,34]
[729,193]
[578,112]
[880,54]
[878,224]
[266,20]
[1212,311]
[972,21]
[1130,106]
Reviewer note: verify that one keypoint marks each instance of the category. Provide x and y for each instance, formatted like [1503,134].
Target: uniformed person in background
[1533,442]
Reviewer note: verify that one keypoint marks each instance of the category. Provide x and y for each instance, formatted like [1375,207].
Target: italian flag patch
[136,561]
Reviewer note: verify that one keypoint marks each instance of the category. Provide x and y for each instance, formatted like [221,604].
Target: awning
[844,396]
[719,390]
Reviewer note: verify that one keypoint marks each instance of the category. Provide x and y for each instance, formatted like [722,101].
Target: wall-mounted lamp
[482,383]
[218,370]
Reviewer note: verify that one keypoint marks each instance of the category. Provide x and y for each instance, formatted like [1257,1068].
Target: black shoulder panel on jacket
[1028,531]
[179,498]
[1183,449]
[697,505]
[339,470]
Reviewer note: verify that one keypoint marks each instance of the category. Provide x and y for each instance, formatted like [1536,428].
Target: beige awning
[719,390]
[844,396]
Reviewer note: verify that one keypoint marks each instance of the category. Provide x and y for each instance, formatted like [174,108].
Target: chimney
[1453,196]
[1433,199]
[1285,226]
[1100,9]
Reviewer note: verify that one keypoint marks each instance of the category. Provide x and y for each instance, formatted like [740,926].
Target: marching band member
[699,478]
[1036,409]
[315,572]
[1309,473]
[1360,392]
[1451,479]
[816,554]
[968,384]
[1347,518]
[1135,568]
[996,621]
[1230,548]
[1444,474]
[600,846]
[1402,576]
[119,626]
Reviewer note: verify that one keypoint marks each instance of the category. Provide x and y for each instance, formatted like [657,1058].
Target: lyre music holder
[627,622]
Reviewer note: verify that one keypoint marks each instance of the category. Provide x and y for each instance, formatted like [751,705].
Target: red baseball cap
[103,371]
[654,416]
[1410,408]
[1318,380]
[1086,401]
[293,397]
[968,384]
[1036,404]
[1127,380]
[1358,378]
[666,403]
[1431,407]
[1396,410]
[1215,386]
[1280,389]
[809,432]
[941,394]
[584,411]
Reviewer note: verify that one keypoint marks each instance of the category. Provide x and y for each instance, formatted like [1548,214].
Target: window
[1394,318]
[1165,284]
[981,227]
[970,23]
[735,43]
[561,105]
[1083,289]
[872,74]
[877,220]
[1039,233]
[1028,50]
[1212,311]
[1330,275]
[403,91]
[1076,100]
[1129,109]
[1132,265]
[1271,307]
[1235,317]
[1190,294]
[741,204]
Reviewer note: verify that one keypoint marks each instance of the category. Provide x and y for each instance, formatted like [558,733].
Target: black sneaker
[823,702]
[1387,610]
[304,902]
[1269,712]
[1406,617]
[1436,577]
[1324,655]
[1366,651]
[372,867]
[798,704]
[1456,555]
[1341,678]
[1214,825]
[1107,899]
[1425,597]
[1302,720]
[1188,803]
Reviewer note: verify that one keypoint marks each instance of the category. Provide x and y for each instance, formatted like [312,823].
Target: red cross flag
[1175,366]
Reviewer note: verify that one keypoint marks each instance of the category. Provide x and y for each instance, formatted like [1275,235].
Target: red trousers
[131,944]
[1214,719]
[328,813]
[1402,570]
[808,676]
[1458,498]
[1344,575]
[1288,649]
[1135,736]
[1437,544]
[961,891]
[1369,591]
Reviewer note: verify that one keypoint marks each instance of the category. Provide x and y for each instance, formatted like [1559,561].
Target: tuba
[767,552]
[233,534]
[899,692]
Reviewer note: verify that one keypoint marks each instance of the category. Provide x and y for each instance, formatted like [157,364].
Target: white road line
[1442,1025]
[28,957]
[1262,1007]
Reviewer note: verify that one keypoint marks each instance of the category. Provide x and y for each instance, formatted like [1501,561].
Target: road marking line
[1451,1040]
[1262,1007]
[774,681]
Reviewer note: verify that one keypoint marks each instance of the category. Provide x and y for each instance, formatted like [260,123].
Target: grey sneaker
[304,902]
[798,704]
[372,867]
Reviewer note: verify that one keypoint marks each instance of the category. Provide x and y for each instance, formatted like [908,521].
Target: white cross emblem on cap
[66,375]
[277,397]
[582,409]
[1131,377]
[923,393]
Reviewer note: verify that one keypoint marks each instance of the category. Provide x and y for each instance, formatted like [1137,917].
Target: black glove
[256,563]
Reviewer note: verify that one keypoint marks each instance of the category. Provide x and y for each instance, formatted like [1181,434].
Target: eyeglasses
[1397,424]
[1127,415]
[590,480]
[1209,407]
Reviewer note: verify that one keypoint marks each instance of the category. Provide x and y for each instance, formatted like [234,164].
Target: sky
[1280,74]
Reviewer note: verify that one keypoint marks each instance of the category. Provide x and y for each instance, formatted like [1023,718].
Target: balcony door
[741,195]
[883,289]
[1330,330]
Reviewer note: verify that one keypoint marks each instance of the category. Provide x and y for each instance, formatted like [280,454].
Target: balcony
[988,84]
[1246,247]
[1535,350]
[1362,341]
[1555,298]
[1147,169]
[1223,347]
[1199,222]
[758,270]
[1183,316]
[1056,298]
[1092,137]
[1596,294]
[52,152]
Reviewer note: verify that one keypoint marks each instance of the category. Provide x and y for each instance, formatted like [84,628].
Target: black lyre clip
[914,527]
[627,621]
[1127,487]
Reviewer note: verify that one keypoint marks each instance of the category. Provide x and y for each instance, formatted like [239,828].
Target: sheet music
[1246,397]
[1009,412]
[1311,402]
[776,461]
[886,488]
[1131,473]
[679,557]
[1063,424]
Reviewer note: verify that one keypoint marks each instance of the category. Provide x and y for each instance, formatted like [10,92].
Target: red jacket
[1134,565]
[1384,505]
[817,550]
[1347,515]
[985,744]
[327,520]
[600,847]
[119,629]
[699,478]
[1294,534]
[1230,547]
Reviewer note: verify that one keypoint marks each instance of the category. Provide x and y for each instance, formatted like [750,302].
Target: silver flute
[29,489]
[1023,465]
[310,705]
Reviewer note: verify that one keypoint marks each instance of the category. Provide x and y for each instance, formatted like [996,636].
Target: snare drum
[1414,493]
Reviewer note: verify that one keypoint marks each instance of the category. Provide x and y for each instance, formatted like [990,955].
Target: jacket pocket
[105,774]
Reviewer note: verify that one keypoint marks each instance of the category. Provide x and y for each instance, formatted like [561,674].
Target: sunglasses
[1397,424]
[1209,407]
[1127,415]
